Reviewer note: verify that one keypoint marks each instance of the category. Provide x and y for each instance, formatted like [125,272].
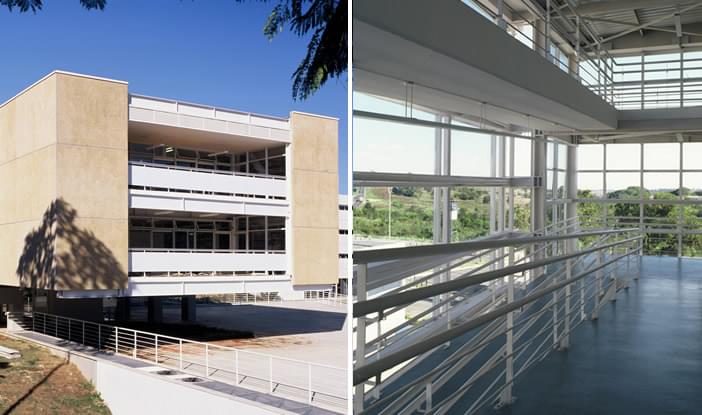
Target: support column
[538,213]
[154,310]
[188,308]
[122,311]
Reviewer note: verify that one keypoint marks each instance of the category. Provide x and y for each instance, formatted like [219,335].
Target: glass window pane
[692,185]
[276,240]
[139,239]
[692,156]
[163,223]
[276,166]
[664,156]
[204,240]
[470,154]
[590,185]
[257,222]
[223,241]
[257,240]
[590,157]
[623,185]
[623,157]
[661,183]
[163,240]
[522,157]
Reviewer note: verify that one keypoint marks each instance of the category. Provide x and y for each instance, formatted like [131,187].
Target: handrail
[198,170]
[376,367]
[379,304]
[244,368]
[387,254]
[210,251]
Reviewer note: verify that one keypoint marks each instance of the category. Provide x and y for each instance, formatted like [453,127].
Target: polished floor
[643,356]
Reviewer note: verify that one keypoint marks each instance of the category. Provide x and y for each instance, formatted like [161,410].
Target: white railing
[210,171]
[147,260]
[212,251]
[187,179]
[520,298]
[317,384]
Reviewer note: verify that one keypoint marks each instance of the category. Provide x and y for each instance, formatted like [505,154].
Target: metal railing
[211,251]
[316,384]
[454,334]
[591,65]
[210,171]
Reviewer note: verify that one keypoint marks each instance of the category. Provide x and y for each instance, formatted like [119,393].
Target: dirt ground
[41,383]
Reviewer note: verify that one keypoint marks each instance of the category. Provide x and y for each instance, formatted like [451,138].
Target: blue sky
[202,51]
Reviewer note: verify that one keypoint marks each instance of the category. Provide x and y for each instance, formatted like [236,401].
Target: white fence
[317,384]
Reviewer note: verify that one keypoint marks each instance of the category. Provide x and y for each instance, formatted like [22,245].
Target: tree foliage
[34,5]
[327,50]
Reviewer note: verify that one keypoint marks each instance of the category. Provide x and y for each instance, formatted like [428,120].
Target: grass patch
[39,383]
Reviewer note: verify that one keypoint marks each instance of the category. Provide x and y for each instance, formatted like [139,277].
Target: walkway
[643,356]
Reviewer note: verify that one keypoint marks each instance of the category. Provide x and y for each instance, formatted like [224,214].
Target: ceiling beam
[609,6]
[652,22]
[654,28]
[638,21]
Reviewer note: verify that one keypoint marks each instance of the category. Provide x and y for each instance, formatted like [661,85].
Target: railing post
[84,333]
[99,336]
[270,373]
[117,340]
[134,351]
[565,340]
[236,366]
[427,397]
[207,360]
[55,326]
[361,295]
[156,348]
[34,319]
[309,383]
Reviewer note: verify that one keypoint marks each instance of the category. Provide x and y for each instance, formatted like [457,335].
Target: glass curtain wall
[656,187]
[407,212]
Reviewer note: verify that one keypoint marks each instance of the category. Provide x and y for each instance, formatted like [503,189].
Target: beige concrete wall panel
[314,199]
[92,112]
[94,180]
[314,262]
[8,132]
[34,177]
[315,143]
[90,253]
[32,118]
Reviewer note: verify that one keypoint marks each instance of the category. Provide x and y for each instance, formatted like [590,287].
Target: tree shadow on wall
[59,255]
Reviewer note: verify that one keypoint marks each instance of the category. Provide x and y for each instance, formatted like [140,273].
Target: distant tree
[408,191]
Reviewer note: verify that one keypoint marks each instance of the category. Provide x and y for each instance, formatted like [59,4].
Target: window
[163,240]
[139,239]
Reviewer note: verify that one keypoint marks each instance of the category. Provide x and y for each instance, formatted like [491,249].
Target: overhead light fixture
[208,215]
[218,154]
[155,146]
[163,212]
[169,149]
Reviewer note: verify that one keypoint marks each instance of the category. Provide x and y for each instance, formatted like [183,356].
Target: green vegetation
[664,216]
[412,213]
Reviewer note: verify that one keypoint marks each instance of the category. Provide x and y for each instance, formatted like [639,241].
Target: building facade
[112,194]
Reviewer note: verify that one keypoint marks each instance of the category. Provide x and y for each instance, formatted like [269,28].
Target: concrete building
[106,193]
[567,134]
